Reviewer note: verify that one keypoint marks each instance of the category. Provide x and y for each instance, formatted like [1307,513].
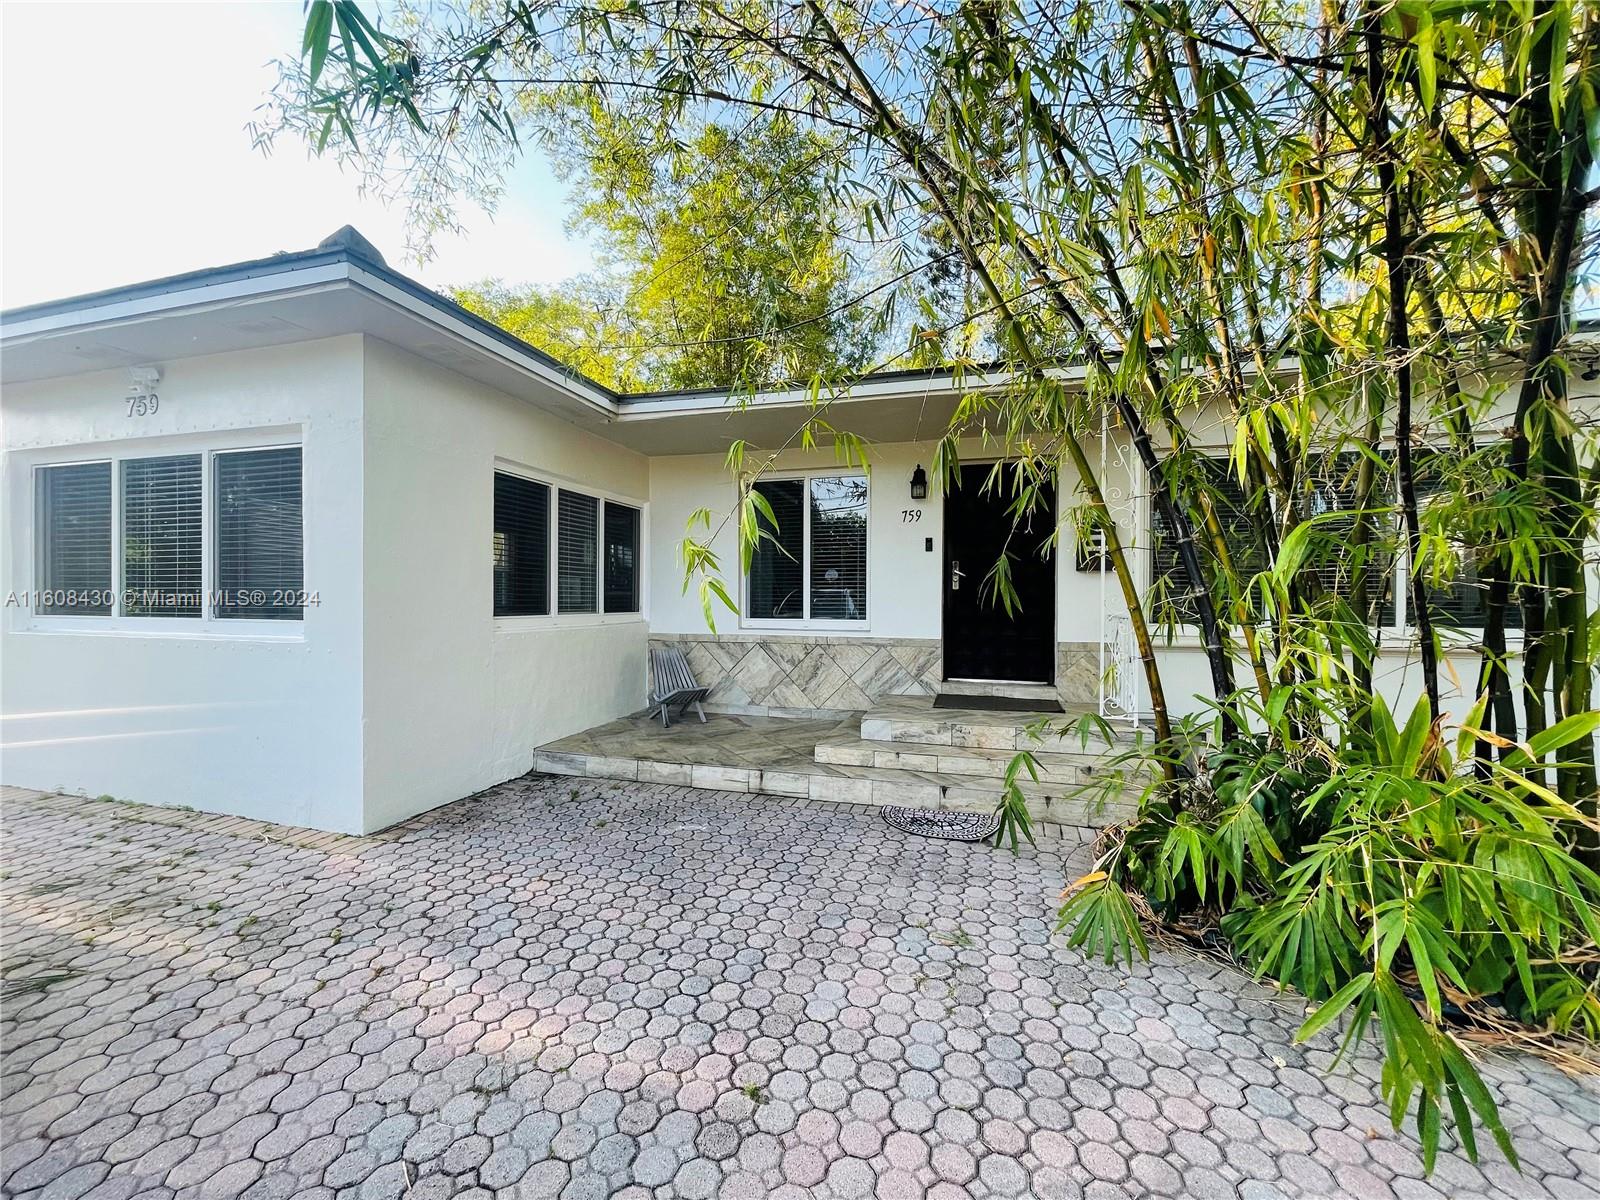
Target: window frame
[211,463]
[606,505]
[553,619]
[206,624]
[1400,572]
[36,543]
[596,545]
[203,462]
[807,621]
[551,494]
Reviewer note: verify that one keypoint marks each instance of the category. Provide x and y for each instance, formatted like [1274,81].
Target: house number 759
[144,406]
[910,516]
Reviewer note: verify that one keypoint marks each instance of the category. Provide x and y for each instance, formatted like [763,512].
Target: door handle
[956,574]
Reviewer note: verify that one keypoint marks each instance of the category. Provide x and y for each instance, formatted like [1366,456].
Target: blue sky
[135,163]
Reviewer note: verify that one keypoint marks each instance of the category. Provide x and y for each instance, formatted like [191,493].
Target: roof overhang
[327,293]
[337,289]
[911,406]
[291,298]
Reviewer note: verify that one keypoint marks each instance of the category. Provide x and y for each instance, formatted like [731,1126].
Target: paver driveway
[650,991]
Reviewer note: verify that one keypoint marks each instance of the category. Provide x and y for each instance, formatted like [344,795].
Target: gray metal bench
[673,684]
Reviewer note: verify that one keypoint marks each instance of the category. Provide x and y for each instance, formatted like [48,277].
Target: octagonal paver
[590,989]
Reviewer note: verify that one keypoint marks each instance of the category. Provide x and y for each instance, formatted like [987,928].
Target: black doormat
[997,703]
[941,823]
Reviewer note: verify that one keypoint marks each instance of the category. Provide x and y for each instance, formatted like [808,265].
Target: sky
[124,157]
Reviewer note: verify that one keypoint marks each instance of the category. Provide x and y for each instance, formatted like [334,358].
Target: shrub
[1384,878]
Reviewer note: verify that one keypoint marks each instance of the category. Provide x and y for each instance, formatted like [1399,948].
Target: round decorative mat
[941,823]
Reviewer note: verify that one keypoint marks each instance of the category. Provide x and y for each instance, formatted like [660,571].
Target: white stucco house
[298,539]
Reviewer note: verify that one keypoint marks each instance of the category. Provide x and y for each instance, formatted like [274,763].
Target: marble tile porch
[808,758]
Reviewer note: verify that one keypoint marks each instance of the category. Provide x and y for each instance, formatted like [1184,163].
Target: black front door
[980,640]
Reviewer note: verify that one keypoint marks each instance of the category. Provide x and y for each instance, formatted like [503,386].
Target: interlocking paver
[582,988]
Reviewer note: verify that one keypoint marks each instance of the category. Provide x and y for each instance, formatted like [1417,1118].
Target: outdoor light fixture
[919,483]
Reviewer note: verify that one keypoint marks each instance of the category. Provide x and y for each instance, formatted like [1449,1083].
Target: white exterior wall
[456,699]
[903,595]
[252,723]
[904,580]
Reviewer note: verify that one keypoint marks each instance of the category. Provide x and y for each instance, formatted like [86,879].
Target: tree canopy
[721,258]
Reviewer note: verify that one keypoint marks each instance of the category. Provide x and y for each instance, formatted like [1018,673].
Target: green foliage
[726,251]
[581,324]
[722,261]
[1383,878]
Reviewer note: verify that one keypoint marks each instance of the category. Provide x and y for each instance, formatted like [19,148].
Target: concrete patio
[581,988]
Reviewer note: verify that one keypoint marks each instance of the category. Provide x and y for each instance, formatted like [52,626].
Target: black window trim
[1400,569]
[606,505]
[549,546]
[553,618]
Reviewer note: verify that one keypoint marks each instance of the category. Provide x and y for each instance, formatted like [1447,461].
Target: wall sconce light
[919,483]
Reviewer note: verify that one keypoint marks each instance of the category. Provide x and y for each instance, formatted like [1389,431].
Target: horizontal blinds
[839,549]
[1464,601]
[775,566]
[74,536]
[260,532]
[161,536]
[577,553]
[1174,598]
[622,558]
[521,547]
[1335,559]
[1338,560]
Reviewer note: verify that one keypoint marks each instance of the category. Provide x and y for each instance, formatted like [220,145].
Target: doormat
[940,823]
[997,703]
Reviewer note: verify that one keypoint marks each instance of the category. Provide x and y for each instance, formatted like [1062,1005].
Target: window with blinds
[73,507]
[1334,493]
[776,567]
[622,558]
[260,567]
[1464,602]
[839,548]
[1174,598]
[521,547]
[161,536]
[577,553]
[1335,561]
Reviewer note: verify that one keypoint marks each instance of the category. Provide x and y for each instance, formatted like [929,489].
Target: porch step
[1041,692]
[1065,768]
[914,720]
[848,784]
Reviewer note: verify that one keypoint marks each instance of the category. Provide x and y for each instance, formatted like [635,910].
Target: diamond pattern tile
[801,675]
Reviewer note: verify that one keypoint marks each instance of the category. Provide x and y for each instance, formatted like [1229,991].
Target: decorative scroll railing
[1120,667]
[1119,670]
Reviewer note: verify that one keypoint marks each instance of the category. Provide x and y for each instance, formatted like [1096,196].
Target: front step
[1042,693]
[913,719]
[840,783]
[1059,767]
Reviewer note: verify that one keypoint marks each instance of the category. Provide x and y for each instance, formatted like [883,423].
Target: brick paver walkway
[594,989]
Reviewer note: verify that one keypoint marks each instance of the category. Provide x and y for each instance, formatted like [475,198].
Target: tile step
[981,731]
[1056,766]
[1014,691]
[844,784]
